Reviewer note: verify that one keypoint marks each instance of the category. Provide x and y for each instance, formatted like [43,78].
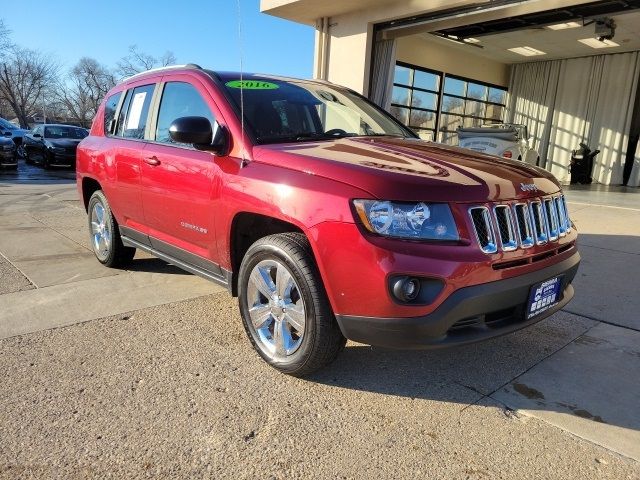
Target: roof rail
[162,69]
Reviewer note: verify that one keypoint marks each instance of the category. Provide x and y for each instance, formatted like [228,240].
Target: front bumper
[63,159]
[8,158]
[468,315]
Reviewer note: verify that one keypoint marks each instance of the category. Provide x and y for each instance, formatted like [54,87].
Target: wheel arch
[246,229]
[89,187]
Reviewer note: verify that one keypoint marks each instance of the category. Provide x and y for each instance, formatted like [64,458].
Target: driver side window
[180,99]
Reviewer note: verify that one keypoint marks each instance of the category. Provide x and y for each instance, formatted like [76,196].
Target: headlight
[421,221]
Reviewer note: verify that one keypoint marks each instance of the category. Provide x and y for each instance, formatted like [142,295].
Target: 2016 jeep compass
[324,215]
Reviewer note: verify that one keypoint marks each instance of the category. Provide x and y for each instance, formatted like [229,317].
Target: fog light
[406,289]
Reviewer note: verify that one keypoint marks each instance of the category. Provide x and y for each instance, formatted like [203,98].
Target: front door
[178,183]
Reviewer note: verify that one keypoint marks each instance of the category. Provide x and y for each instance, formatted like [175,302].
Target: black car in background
[8,156]
[53,145]
[8,129]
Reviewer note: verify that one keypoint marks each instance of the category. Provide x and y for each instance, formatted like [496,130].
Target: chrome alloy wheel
[100,231]
[276,309]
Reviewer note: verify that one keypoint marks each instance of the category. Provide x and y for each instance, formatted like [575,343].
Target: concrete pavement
[44,248]
[152,375]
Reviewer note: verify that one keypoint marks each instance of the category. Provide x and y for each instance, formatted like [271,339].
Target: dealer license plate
[543,296]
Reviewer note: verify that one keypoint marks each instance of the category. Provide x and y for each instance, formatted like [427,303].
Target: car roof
[220,75]
[57,125]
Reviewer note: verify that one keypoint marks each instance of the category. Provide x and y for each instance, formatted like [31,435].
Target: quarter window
[110,112]
[180,99]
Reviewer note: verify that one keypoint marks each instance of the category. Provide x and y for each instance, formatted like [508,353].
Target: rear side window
[110,112]
[132,120]
[179,99]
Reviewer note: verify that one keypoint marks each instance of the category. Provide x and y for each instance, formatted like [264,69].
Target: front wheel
[105,236]
[284,307]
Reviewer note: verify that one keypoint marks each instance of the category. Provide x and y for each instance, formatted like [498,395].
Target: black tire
[322,340]
[116,254]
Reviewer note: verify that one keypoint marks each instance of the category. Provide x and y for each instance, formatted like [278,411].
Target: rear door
[125,146]
[178,180]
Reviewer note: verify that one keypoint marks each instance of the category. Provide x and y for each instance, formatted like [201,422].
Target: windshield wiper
[397,135]
[301,136]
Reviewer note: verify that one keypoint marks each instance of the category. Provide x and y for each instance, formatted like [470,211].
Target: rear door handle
[153,161]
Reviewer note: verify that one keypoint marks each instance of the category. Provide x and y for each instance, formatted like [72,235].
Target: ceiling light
[470,40]
[564,26]
[595,43]
[526,51]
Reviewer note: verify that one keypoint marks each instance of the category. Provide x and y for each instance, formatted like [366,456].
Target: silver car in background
[507,140]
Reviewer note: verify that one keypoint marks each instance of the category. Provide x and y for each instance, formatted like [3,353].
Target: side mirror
[37,135]
[199,132]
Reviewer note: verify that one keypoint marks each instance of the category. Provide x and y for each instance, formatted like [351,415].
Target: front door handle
[153,161]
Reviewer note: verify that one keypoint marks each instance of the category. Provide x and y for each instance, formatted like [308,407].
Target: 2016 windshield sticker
[252,85]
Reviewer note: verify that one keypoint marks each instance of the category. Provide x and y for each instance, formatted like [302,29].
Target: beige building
[568,70]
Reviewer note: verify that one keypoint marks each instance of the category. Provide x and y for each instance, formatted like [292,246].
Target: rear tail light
[507,154]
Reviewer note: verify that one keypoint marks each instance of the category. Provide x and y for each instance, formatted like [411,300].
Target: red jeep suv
[325,216]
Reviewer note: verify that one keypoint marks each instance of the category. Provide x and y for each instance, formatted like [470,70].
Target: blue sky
[198,31]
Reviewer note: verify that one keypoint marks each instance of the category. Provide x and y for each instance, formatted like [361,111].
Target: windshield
[288,111]
[64,132]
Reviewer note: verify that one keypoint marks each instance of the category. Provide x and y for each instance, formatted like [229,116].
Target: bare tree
[85,87]
[137,61]
[5,40]
[25,76]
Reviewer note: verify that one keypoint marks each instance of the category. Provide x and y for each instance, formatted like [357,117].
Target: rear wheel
[284,307]
[105,236]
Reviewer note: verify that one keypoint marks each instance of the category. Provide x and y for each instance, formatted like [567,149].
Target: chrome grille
[506,229]
[484,229]
[522,224]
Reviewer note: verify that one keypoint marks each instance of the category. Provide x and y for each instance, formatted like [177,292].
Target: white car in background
[508,140]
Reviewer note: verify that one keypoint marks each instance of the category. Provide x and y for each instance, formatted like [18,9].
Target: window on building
[415,99]
[435,104]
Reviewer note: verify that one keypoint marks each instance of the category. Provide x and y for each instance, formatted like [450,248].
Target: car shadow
[154,265]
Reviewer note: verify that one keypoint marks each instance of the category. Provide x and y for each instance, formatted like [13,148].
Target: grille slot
[483,228]
[523,219]
[563,219]
[566,213]
[552,218]
[538,222]
[506,229]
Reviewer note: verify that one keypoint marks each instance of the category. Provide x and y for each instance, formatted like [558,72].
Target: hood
[412,169]
[63,142]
